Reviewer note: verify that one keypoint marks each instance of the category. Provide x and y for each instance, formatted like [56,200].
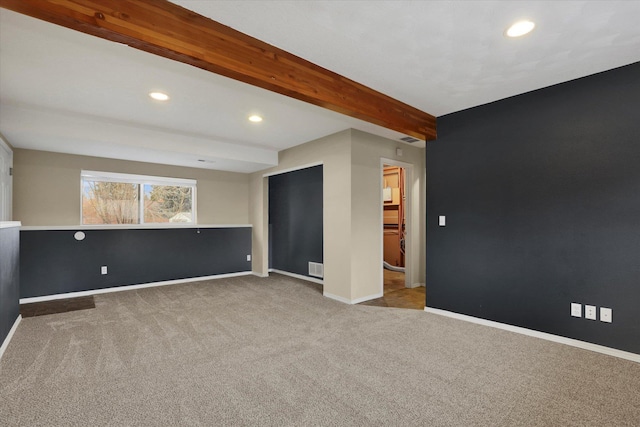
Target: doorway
[396,214]
[394,227]
[295,223]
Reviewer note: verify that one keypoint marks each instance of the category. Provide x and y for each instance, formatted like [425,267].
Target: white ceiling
[65,91]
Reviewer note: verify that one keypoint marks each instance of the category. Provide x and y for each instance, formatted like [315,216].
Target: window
[114,198]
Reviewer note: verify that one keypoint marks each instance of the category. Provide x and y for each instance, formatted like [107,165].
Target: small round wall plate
[79,235]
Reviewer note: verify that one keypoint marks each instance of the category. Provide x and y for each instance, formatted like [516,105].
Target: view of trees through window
[108,202]
[167,203]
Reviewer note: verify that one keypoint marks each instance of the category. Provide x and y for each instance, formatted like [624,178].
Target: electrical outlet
[576,309]
[248,257]
[606,314]
[590,312]
[103,269]
[442,221]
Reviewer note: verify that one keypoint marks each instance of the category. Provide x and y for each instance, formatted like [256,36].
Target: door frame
[266,219]
[408,218]
[6,204]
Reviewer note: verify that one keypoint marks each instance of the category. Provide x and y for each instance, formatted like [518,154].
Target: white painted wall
[366,153]
[334,153]
[352,210]
[47,187]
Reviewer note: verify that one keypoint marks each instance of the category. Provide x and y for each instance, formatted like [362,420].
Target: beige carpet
[251,351]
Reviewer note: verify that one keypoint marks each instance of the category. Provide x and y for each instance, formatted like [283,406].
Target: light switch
[576,309]
[442,221]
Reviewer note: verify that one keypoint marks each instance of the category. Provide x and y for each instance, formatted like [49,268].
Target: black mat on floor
[57,306]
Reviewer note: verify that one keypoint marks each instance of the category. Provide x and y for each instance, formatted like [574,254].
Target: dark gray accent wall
[542,198]
[295,220]
[53,262]
[9,279]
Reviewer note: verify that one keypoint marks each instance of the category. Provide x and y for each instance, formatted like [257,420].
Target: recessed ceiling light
[255,118]
[520,28]
[159,96]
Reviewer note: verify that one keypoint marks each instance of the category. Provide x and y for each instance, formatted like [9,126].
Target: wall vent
[316,269]
[409,139]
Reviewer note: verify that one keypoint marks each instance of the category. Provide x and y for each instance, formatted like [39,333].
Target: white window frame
[141,181]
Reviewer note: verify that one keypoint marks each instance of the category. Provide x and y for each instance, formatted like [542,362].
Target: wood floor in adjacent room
[396,295]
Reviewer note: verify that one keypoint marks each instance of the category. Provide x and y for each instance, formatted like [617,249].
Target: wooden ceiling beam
[171,31]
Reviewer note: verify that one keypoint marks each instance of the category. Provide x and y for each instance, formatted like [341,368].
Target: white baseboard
[130,287]
[326,294]
[353,301]
[367,298]
[12,331]
[255,273]
[537,334]
[337,297]
[297,276]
